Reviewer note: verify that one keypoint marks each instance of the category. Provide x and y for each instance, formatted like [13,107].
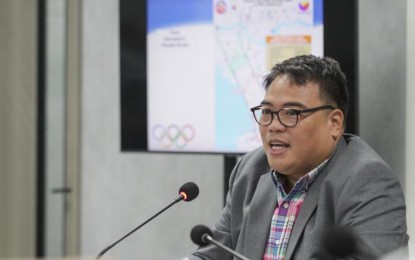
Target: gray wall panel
[18,103]
[382,83]
[121,190]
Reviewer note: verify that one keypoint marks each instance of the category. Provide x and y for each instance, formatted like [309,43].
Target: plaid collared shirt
[286,213]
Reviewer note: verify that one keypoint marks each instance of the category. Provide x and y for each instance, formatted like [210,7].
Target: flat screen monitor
[194,68]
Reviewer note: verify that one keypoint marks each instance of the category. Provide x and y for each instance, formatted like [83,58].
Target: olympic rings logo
[173,135]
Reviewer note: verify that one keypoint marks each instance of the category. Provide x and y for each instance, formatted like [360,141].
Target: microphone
[202,236]
[187,192]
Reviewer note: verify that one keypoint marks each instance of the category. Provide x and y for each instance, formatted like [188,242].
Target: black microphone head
[340,242]
[198,234]
[189,190]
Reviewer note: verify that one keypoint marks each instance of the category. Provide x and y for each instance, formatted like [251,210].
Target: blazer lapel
[259,218]
[311,201]
[309,205]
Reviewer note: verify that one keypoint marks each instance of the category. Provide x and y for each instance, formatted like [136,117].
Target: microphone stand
[234,253]
[181,197]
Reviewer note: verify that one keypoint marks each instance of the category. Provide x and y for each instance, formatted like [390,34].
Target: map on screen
[206,61]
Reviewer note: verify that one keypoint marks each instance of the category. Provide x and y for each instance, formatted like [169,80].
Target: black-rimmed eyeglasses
[287,116]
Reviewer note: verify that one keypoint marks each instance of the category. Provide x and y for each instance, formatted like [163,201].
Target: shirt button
[277,242]
[286,205]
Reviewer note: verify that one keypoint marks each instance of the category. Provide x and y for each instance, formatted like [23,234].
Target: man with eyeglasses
[309,179]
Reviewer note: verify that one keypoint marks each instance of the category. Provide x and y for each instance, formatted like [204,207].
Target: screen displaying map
[206,61]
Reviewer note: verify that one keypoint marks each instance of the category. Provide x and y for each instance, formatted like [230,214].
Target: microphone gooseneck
[187,192]
[202,236]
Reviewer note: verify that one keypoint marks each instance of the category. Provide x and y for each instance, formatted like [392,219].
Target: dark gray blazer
[356,189]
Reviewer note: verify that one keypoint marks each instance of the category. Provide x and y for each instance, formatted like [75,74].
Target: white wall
[121,190]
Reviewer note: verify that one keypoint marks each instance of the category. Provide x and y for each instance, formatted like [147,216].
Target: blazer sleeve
[222,231]
[364,195]
[242,186]
[372,205]
[358,191]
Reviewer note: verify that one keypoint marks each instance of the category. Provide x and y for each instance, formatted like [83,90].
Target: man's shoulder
[252,165]
[255,158]
[257,153]
[358,148]
[355,155]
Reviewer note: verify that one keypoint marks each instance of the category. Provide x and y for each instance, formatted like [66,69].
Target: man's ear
[336,118]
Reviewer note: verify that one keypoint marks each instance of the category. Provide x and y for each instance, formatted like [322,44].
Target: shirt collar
[303,184]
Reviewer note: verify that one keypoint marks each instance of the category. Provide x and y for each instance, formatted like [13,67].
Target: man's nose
[276,123]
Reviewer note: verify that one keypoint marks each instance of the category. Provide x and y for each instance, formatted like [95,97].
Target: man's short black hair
[324,71]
